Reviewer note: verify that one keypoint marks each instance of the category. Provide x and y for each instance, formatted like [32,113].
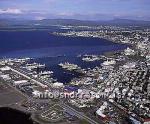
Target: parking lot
[54,114]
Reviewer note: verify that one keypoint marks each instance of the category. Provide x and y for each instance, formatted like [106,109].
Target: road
[22,73]
[63,105]
[78,114]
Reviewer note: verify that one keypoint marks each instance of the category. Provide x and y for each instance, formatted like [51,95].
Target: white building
[101,110]
[129,65]
[6,68]
[129,52]
[20,82]
[5,77]
[58,85]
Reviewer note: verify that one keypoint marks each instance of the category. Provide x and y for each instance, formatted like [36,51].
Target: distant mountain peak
[49,22]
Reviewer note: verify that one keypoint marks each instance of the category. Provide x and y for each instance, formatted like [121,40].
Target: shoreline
[31,114]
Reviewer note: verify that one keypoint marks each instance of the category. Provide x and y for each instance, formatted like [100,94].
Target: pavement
[67,107]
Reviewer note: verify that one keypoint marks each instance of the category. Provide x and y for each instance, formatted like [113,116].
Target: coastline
[32,114]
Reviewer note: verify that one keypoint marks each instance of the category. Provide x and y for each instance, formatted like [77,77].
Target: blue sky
[77,9]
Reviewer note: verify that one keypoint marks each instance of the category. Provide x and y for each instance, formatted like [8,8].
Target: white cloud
[40,18]
[65,14]
[10,11]
[50,1]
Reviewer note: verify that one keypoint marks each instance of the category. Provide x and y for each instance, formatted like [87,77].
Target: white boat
[108,62]
[69,66]
[34,66]
[46,73]
[90,59]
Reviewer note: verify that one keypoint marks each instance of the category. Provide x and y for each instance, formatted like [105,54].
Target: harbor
[94,87]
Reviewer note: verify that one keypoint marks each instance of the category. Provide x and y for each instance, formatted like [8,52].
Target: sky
[75,9]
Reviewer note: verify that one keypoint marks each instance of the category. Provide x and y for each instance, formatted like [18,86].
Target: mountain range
[49,22]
